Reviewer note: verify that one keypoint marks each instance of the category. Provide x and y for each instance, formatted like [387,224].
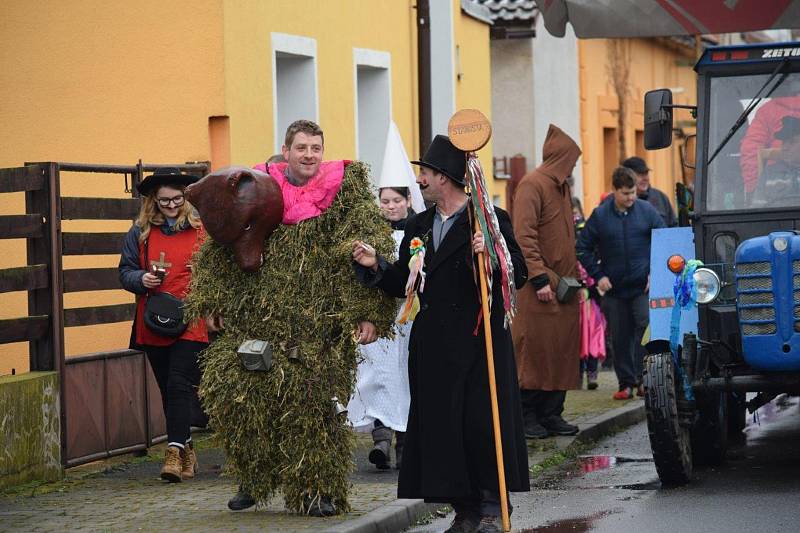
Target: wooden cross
[161,264]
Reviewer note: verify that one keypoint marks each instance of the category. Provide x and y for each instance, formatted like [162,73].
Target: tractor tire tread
[668,440]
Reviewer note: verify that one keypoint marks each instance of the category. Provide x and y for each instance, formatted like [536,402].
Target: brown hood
[559,155]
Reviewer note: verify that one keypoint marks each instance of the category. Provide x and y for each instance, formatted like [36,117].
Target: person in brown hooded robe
[546,332]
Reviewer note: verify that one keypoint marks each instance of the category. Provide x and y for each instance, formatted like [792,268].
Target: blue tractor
[744,335]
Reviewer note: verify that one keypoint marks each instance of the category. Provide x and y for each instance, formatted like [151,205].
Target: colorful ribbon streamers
[685,298]
[497,257]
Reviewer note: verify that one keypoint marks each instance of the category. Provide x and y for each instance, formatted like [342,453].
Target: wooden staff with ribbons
[469,130]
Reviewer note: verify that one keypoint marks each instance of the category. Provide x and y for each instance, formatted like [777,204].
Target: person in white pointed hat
[381,396]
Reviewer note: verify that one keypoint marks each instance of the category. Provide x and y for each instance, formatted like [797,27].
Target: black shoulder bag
[163,312]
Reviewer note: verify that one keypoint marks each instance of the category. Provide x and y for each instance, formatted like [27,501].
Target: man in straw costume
[283,429]
[449,450]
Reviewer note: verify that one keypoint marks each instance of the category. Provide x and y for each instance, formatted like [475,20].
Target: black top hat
[789,128]
[443,157]
[164,176]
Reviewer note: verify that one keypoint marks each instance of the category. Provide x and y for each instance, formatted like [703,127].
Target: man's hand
[150,281]
[365,255]
[545,294]
[604,285]
[365,333]
[477,243]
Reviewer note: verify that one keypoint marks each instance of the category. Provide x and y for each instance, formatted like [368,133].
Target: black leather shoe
[464,523]
[534,430]
[382,439]
[320,507]
[241,501]
[490,524]
[556,425]
[379,455]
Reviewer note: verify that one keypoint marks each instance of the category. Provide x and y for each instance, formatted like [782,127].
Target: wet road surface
[615,488]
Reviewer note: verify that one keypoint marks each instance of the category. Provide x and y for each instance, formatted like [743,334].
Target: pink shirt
[312,199]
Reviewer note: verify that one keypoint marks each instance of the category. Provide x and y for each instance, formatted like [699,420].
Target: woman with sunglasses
[156,258]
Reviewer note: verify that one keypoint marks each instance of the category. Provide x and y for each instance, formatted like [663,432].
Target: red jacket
[761,134]
[175,252]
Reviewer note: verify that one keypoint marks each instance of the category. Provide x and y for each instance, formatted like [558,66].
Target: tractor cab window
[759,167]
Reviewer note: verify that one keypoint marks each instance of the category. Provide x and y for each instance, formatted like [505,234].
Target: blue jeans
[627,320]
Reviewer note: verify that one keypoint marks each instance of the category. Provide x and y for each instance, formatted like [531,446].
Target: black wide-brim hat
[790,126]
[164,176]
[443,157]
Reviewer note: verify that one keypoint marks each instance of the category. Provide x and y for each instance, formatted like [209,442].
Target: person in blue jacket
[614,248]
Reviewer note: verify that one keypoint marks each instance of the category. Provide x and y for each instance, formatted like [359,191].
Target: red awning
[651,18]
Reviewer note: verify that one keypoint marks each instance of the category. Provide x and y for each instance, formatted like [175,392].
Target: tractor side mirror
[657,119]
[689,151]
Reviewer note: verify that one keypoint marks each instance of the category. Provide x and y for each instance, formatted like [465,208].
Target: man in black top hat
[449,453]
[645,191]
[779,184]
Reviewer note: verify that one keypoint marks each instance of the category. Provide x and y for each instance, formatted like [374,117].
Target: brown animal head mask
[239,207]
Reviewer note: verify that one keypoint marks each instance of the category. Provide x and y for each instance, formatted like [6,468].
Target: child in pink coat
[592,321]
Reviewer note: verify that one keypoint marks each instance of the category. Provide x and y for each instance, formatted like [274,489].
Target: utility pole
[424,73]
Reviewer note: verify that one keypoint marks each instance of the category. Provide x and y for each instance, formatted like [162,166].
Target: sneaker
[534,430]
[188,462]
[591,380]
[555,425]
[171,471]
[319,507]
[490,524]
[241,501]
[624,393]
[464,523]
[640,391]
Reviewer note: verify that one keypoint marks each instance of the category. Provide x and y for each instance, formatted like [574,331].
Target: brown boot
[189,464]
[171,471]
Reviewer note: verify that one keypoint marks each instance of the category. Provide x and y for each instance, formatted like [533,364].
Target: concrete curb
[395,516]
[601,425]
[401,514]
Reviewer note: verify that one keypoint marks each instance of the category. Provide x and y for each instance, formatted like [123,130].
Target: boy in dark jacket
[614,248]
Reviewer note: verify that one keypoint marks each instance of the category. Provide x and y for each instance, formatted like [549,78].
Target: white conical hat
[397,171]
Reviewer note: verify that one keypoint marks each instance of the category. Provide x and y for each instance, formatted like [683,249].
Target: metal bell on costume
[338,408]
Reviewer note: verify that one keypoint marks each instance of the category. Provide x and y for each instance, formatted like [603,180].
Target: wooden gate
[110,403]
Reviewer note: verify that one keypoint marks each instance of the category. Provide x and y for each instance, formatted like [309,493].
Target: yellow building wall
[101,82]
[338,26]
[474,83]
[654,64]
[112,82]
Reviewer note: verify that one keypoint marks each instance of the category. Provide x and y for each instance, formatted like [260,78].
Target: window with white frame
[294,82]
[373,99]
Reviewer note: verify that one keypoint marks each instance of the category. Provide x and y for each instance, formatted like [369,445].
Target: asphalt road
[614,487]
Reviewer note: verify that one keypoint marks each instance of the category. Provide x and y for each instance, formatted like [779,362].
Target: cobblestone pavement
[132,498]
[129,496]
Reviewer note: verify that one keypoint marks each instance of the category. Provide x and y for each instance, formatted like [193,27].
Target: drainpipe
[424,73]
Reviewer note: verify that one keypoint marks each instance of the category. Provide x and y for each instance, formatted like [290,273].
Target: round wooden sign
[469,130]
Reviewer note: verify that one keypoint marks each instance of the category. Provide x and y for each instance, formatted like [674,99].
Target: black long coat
[449,449]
